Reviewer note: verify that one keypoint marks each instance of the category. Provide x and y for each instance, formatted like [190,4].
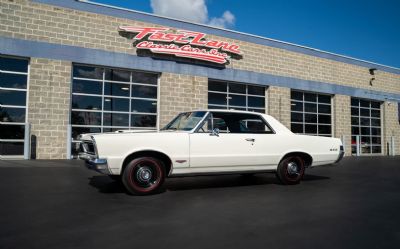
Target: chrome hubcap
[144,174]
[292,168]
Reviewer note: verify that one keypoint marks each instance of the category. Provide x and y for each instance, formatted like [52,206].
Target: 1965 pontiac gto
[207,142]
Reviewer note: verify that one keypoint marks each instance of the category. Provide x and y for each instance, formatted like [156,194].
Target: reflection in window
[13,94]
[366,123]
[311,113]
[229,95]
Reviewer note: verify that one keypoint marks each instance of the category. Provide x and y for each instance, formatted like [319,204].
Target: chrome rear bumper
[341,154]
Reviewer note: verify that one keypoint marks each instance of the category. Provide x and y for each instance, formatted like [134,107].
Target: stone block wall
[48,106]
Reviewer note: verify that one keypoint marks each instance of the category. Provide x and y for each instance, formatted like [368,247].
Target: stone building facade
[67,45]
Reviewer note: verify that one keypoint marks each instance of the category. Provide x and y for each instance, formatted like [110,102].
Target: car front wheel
[144,175]
[291,170]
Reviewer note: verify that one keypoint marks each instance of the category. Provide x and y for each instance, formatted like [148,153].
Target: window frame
[359,126]
[303,113]
[210,115]
[24,107]
[228,94]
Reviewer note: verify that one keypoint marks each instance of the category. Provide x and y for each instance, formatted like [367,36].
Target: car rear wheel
[291,170]
[144,175]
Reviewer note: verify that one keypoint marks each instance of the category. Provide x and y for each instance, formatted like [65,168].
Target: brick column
[48,107]
[279,104]
[342,120]
[179,93]
[391,126]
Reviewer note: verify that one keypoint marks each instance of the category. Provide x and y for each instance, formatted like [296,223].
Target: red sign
[182,43]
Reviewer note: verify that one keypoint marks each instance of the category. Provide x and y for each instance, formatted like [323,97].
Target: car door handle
[250,140]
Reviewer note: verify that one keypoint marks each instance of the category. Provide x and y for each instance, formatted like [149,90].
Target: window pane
[376,131]
[324,119]
[256,90]
[237,100]
[86,102]
[375,122]
[11,64]
[116,104]
[85,86]
[376,140]
[143,120]
[355,130]
[116,119]
[144,91]
[364,112]
[88,72]
[13,80]
[324,129]
[376,149]
[324,109]
[217,99]
[296,117]
[355,111]
[311,97]
[375,113]
[364,103]
[296,95]
[216,107]
[355,102]
[117,75]
[11,148]
[86,118]
[324,99]
[256,102]
[308,107]
[310,118]
[365,131]
[146,78]
[365,121]
[355,121]
[297,128]
[12,131]
[310,129]
[116,89]
[297,106]
[217,86]
[139,105]
[365,149]
[76,131]
[376,105]
[10,97]
[8,114]
[256,110]
[237,88]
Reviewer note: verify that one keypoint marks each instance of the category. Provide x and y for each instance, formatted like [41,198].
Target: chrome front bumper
[94,163]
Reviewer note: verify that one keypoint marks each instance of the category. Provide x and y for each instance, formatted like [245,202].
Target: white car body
[191,152]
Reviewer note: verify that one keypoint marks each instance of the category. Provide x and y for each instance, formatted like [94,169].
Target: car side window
[228,122]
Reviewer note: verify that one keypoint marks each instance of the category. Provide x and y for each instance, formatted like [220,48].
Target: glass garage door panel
[229,95]
[366,123]
[110,99]
[311,113]
[13,95]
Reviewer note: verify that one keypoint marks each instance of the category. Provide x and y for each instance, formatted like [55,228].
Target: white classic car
[207,142]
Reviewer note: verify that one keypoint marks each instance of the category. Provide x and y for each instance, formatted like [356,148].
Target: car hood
[88,136]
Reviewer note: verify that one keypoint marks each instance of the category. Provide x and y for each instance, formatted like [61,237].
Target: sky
[367,30]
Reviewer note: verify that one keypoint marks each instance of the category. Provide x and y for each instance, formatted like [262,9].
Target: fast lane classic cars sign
[182,43]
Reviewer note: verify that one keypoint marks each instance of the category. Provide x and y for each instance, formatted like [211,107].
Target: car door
[235,145]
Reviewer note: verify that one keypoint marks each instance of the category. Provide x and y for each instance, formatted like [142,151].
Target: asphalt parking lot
[61,204]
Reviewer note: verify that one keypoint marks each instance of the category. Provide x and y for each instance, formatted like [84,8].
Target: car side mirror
[215,132]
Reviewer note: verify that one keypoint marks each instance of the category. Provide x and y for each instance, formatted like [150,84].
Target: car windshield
[185,121]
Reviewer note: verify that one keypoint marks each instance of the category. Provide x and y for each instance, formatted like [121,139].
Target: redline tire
[291,170]
[143,176]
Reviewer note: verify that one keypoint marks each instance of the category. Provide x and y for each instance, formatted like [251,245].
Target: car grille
[87,147]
